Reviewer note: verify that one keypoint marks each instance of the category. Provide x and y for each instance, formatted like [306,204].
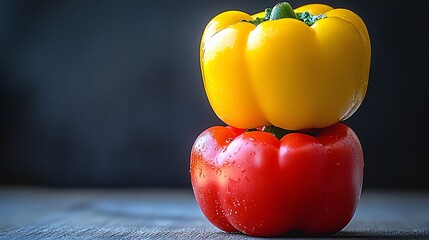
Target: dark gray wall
[109,93]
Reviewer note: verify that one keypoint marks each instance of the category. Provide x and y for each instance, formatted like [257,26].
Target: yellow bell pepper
[284,72]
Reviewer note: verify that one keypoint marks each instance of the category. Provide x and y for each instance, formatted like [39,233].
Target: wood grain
[40,213]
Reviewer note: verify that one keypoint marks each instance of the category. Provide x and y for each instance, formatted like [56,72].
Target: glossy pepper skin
[256,184]
[283,72]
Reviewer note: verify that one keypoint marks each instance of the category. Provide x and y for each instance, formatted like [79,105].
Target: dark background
[109,93]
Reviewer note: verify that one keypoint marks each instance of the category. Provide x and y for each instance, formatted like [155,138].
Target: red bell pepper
[257,184]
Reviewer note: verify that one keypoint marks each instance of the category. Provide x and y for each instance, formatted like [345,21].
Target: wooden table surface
[41,213]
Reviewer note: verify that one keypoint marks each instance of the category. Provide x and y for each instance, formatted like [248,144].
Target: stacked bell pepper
[282,80]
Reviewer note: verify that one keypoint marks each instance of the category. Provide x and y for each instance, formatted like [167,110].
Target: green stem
[282,10]
[276,131]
